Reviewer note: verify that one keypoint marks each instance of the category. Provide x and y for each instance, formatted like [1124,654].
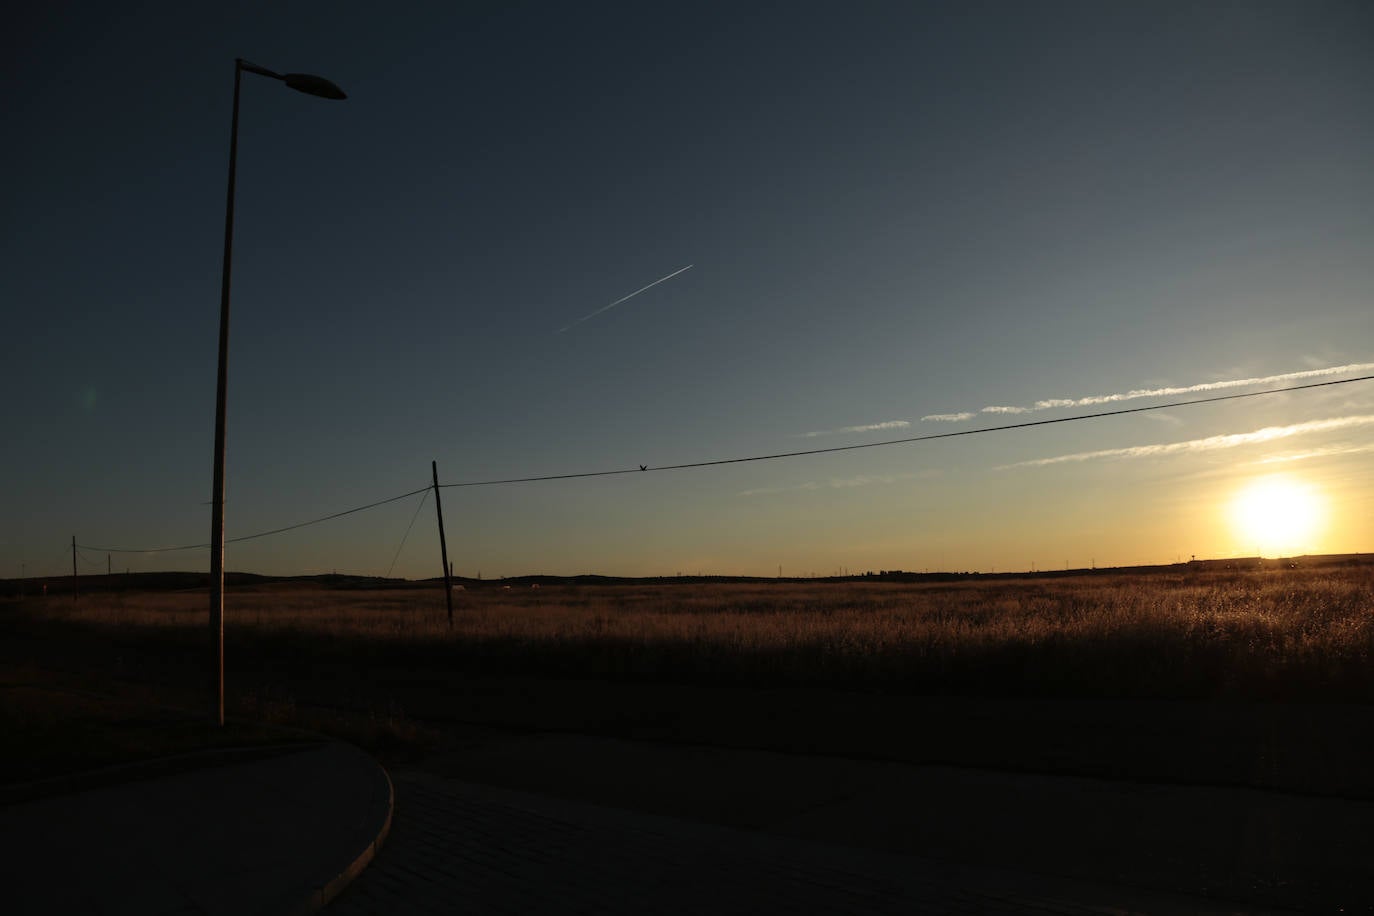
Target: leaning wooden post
[443,544]
[74,580]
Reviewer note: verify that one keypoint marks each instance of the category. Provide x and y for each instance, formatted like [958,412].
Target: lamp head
[313,85]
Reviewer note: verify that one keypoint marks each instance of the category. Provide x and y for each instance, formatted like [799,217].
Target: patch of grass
[384,730]
[55,729]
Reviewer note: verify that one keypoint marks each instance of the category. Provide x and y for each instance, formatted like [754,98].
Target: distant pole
[443,543]
[108,570]
[74,581]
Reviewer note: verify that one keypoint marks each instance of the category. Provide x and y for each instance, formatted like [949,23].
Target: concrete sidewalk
[280,834]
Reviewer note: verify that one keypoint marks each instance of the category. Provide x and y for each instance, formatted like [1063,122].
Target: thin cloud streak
[866,428]
[1208,444]
[1327,452]
[864,480]
[837,483]
[1138,393]
[767,491]
[626,298]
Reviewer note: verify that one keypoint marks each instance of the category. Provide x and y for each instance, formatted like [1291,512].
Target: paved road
[495,851]
[459,845]
[911,837]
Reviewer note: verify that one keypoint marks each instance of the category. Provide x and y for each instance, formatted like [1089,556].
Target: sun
[1277,516]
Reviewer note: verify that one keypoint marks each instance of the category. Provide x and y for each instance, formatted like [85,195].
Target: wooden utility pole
[74,582]
[443,544]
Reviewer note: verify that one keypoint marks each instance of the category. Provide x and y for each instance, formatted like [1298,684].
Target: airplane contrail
[624,298]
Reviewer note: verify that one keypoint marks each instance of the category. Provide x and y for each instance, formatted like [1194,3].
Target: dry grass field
[1287,634]
[1250,678]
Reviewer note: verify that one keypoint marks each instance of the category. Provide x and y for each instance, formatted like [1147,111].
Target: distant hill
[182,581]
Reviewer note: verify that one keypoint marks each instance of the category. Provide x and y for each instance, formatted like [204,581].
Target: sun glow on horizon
[1278,515]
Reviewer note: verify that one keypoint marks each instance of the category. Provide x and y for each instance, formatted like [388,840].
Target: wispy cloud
[1324,452]
[1095,400]
[626,298]
[864,480]
[1208,444]
[767,491]
[865,428]
[840,483]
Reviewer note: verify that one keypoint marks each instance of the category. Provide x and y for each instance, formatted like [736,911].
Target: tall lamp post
[311,85]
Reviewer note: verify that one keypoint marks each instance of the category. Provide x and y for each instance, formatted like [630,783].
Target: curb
[321,897]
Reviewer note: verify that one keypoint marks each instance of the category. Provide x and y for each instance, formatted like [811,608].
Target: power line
[144,549]
[926,438]
[721,461]
[380,502]
[407,534]
[260,534]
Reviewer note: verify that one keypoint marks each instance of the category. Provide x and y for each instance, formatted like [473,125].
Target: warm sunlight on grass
[1261,633]
[1279,515]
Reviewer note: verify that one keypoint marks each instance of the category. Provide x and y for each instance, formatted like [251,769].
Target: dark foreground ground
[1255,803]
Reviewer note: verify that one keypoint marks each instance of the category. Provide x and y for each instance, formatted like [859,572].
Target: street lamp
[311,85]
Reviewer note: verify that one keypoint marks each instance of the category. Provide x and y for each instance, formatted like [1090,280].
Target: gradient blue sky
[894,211]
